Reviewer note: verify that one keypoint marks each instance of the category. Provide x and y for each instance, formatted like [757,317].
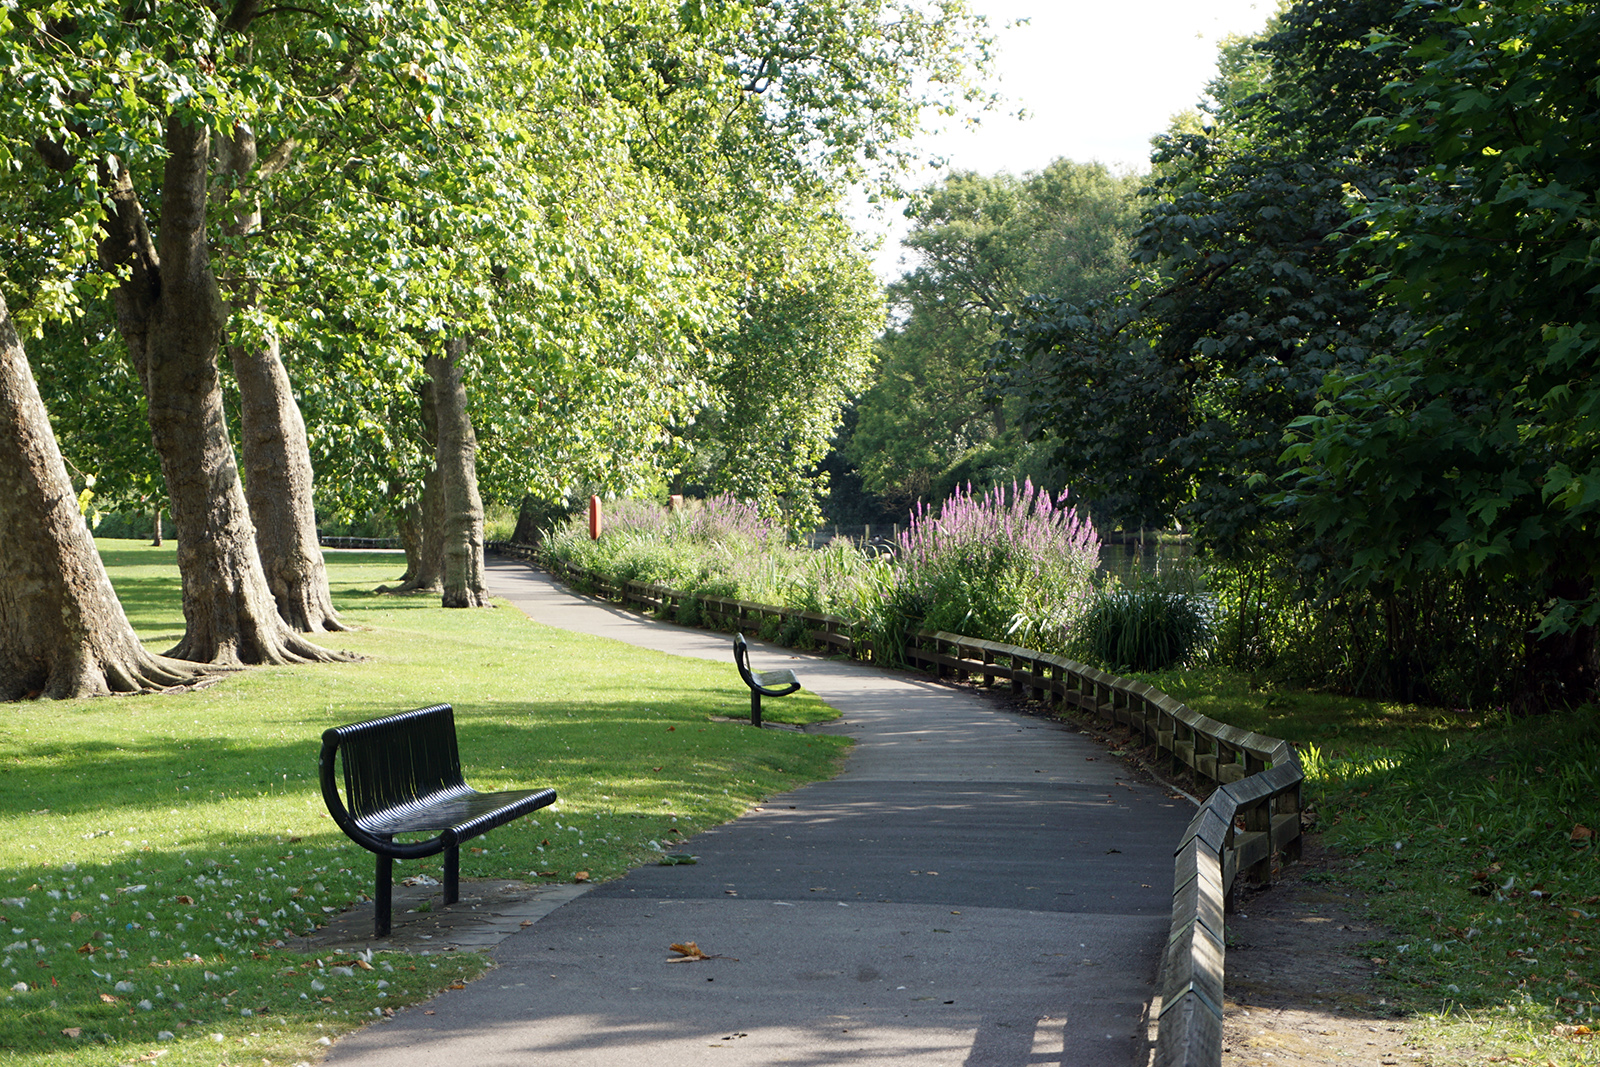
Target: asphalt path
[978,887]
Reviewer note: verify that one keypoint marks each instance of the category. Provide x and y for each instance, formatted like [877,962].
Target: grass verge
[1471,837]
[159,848]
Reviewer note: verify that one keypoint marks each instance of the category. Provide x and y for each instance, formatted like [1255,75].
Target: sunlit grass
[158,846]
[1471,839]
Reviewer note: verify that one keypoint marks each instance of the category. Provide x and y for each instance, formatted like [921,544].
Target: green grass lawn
[157,846]
[1470,836]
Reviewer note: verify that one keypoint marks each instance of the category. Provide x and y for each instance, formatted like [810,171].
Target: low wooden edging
[1251,815]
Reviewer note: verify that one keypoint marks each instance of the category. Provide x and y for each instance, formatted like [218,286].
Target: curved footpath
[978,887]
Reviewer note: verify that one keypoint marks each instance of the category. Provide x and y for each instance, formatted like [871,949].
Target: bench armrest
[763,682]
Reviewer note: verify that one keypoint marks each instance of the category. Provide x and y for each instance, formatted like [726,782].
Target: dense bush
[1146,622]
[1439,640]
[1014,566]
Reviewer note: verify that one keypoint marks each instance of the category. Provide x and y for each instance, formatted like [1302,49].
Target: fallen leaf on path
[581,876]
[689,952]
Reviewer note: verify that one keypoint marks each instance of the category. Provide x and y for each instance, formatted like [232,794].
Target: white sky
[1097,78]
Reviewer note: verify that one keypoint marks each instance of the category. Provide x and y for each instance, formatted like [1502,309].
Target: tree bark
[170,313]
[531,519]
[420,522]
[63,633]
[461,507]
[278,490]
[277,458]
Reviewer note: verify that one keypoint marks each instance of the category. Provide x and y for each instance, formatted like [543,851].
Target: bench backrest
[397,759]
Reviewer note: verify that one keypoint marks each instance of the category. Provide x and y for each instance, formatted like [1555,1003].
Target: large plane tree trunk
[272,439]
[170,313]
[62,630]
[461,508]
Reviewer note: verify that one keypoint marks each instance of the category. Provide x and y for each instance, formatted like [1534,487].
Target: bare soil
[1298,988]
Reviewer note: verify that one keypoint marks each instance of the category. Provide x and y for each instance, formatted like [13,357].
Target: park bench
[402,775]
[778,683]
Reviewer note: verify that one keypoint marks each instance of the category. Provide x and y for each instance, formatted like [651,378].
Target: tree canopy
[1362,337]
[981,246]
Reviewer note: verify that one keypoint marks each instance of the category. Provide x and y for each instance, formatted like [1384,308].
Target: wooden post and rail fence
[1251,816]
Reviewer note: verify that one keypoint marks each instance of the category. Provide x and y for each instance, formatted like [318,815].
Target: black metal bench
[779,683]
[402,775]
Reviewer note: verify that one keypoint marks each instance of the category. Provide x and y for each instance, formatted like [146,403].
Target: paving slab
[978,887]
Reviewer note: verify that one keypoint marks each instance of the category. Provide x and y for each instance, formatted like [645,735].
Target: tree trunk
[408,524]
[155,537]
[277,460]
[461,513]
[277,487]
[420,523]
[170,313]
[531,517]
[62,630]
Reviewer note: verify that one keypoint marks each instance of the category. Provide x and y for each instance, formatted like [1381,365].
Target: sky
[1096,80]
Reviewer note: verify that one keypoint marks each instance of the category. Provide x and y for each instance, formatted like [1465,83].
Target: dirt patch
[1298,988]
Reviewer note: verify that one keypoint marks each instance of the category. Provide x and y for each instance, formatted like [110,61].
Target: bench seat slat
[463,810]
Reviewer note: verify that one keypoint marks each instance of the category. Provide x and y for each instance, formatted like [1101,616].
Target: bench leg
[383,898]
[755,709]
[452,874]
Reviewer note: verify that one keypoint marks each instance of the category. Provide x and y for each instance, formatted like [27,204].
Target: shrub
[1149,622]
[1003,566]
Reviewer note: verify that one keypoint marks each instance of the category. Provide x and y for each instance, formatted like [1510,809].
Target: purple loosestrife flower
[726,518]
[998,563]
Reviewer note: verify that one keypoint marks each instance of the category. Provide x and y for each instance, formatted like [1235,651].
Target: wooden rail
[1251,816]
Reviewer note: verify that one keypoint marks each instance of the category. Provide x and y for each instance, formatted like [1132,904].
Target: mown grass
[1468,836]
[159,848]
